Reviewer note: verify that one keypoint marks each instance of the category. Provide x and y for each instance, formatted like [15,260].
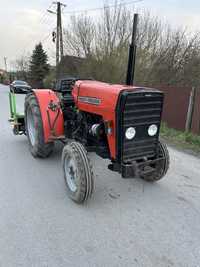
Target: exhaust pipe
[132,53]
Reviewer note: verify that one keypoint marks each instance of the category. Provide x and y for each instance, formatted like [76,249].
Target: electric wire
[105,7]
[44,19]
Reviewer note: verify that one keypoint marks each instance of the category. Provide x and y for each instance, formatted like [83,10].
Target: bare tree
[79,36]
[164,55]
[21,66]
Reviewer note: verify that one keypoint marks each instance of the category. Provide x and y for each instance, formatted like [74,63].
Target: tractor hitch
[127,170]
[135,169]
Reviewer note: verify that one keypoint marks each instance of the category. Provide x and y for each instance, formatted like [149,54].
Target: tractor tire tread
[40,149]
[84,170]
[159,174]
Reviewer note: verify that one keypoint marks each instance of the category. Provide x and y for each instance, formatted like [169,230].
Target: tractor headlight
[130,133]
[152,130]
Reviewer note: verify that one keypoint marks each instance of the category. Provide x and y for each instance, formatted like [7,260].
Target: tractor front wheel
[34,129]
[77,172]
[160,168]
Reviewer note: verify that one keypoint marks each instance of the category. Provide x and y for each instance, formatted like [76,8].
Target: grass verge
[183,140]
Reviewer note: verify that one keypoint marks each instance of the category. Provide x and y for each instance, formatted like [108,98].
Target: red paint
[44,96]
[108,94]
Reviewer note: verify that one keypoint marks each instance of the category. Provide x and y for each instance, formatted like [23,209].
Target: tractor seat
[68,99]
[64,86]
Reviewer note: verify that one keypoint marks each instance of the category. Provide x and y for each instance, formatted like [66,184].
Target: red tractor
[118,122]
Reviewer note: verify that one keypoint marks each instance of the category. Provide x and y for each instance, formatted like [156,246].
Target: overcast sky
[23,23]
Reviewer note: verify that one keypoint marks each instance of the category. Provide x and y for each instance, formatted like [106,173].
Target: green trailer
[16,117]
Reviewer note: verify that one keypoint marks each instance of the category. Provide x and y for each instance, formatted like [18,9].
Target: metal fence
[196,113]
[181,108]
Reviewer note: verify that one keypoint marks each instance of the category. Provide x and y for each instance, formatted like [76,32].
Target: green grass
[181,139]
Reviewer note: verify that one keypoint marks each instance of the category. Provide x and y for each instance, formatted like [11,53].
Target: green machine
[16,117]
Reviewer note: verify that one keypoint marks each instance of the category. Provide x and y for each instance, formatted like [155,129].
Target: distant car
[20,87]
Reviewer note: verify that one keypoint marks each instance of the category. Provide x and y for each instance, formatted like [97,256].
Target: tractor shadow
[110,189]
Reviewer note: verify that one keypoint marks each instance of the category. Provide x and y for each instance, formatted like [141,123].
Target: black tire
[38,148]
[78,172]
[161,167]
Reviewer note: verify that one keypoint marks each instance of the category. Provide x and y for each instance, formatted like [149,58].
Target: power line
[39,40]
[44,17]
[47,36]
[102,8]
[43,20]
[44,39]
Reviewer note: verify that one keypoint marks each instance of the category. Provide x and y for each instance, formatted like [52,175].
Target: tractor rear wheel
[77,172]
[160,168]
[34,128]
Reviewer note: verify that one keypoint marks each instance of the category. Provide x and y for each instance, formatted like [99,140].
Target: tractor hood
[102,99]
[89,93]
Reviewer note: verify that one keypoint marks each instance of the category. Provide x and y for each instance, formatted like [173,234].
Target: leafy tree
[39,67]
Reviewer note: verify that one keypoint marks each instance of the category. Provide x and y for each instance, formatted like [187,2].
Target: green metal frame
[14,115]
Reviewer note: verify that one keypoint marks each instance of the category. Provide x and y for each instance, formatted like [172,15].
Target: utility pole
[59,35]
[5,62]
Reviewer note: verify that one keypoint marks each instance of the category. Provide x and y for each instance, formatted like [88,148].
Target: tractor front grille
[138,109]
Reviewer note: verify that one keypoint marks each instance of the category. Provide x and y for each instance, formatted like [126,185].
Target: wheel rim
[70,173]
[31,126]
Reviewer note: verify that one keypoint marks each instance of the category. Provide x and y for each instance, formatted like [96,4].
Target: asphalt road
[126,223]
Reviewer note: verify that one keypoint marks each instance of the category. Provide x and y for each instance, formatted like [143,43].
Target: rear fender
[51,113]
